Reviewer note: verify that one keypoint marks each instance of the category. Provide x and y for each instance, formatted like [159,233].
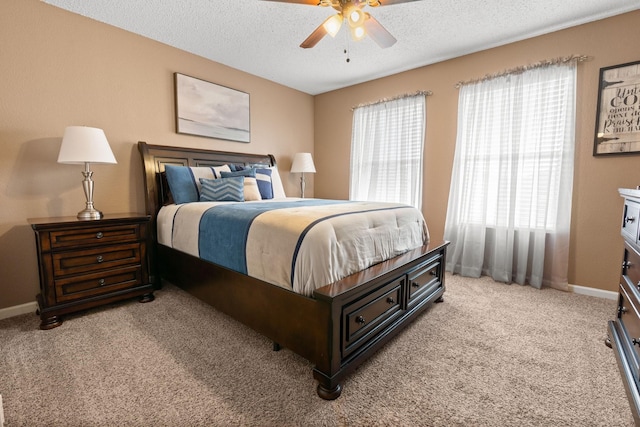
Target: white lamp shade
[81,144]
[303,162]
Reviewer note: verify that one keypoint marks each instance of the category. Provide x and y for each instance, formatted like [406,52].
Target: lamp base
[89,214]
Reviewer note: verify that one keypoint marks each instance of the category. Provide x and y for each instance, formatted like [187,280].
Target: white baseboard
[593,292]
[16,310]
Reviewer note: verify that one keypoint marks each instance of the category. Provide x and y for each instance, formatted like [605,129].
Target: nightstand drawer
[74,238]
[88,285]
[77,262]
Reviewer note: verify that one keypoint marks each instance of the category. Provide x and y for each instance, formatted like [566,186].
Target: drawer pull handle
[630,219]
[99,235]
[99,258]
[433,273]
[101,282]
[626,264]
[390,300]
[415,285]
[360,320]
[636,341]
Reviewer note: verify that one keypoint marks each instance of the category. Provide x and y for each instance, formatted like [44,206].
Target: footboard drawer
[366,317]
[424,280]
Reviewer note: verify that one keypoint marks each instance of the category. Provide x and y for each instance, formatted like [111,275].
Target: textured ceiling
[263,37]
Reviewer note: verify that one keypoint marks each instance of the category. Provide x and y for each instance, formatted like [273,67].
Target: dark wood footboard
[340,327]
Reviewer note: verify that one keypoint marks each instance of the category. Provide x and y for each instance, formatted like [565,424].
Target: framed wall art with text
[618,115]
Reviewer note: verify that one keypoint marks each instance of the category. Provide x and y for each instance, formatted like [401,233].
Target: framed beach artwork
[618,116]
[207,109]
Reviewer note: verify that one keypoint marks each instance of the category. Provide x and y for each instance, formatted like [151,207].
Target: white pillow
[251,190]
[276,182]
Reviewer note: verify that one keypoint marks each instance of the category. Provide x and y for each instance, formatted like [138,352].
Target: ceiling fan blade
[314,37]
[378,33]
[391,2]
[309,2]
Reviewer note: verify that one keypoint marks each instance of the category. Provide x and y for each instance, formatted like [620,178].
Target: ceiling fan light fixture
[333,24]
[358,33]
[355,16]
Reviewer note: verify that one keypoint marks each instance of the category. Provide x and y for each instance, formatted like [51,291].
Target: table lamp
[81,144]
[302,163]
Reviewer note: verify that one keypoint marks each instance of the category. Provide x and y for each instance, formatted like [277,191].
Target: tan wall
[59,69]
[595,251]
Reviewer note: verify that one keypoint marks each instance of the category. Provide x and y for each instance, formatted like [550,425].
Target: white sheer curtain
[387,143]
[509,206]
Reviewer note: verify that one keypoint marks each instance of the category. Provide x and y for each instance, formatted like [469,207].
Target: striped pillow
[222,190]
[263,176]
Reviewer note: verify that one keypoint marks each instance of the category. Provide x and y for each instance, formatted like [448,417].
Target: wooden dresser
[624,331]
[85,264]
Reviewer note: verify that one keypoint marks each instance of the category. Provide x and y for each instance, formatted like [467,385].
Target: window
[510,199]
[386,151]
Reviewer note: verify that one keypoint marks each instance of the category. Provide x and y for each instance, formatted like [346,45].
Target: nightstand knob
[360,320]
[635,341]
[101,282]
[390,300]
[99,235]
[630,219]
[99,258]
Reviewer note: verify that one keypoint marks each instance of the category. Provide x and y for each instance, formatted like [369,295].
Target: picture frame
[207,109]
[618,114]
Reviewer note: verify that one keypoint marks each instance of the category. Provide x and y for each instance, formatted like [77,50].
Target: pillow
[222,190]
[184,181]
[263,177]
[276,183]
[245,172]
[251,191]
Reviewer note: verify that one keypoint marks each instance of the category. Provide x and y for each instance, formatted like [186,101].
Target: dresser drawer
[369,315]
[74,238]
[631,264]
[102,258]
[630,220]
[629,316]
[88,285]
[424,280]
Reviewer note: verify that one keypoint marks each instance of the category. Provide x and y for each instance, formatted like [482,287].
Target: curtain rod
[405,95]
[521,69]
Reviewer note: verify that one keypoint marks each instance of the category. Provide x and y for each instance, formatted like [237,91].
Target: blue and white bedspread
[299,244]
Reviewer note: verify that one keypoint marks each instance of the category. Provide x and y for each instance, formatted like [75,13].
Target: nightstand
[86,264]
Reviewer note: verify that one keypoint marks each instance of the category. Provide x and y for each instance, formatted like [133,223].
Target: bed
[336,326]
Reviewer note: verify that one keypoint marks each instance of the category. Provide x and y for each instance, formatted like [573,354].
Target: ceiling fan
[360,22]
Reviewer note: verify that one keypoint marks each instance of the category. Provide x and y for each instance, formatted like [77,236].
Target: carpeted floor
[490,355]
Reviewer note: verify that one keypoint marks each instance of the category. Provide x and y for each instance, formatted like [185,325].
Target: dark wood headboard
[155,157]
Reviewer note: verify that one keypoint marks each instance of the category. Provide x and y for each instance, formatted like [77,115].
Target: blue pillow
[184,180]
[263,176]
[251,173]
[222,190]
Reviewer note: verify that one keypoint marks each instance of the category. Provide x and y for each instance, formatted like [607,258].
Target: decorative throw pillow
[263,177]
[222,189]
[251,191]
[184,181]
[276,183]
[245,172]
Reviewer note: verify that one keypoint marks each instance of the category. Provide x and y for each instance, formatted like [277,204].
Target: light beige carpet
[490,355]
